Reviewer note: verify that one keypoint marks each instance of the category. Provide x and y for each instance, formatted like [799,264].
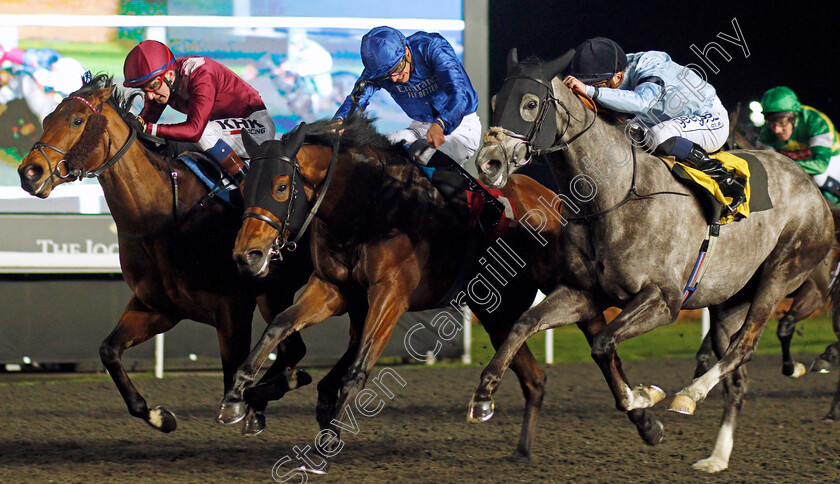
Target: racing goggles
[152,85]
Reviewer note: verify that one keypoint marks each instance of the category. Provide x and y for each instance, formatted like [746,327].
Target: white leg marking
[719,460]
[644,397]
[156,417]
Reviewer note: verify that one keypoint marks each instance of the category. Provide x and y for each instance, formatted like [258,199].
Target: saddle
[709,194]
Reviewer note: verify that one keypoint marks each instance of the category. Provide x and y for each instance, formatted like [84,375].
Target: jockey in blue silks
[678,111]
[424,76]
[428,81]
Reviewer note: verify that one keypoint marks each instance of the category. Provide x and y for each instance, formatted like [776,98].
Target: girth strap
[706,249]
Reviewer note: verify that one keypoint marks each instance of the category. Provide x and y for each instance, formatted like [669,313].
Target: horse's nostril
[491,166]
[254,256]
[33,172]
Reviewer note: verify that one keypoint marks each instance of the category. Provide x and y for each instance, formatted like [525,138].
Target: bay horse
[174,242]
[383,243]
[633,239]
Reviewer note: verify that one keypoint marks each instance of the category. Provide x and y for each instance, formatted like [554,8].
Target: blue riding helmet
[382,48]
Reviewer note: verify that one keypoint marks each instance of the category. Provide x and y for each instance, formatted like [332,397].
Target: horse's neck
[139,194]
[596,168]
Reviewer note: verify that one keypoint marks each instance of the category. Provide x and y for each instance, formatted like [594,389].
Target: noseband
[79,173]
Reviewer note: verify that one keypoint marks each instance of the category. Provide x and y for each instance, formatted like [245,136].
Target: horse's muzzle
[33,180]
[253,262]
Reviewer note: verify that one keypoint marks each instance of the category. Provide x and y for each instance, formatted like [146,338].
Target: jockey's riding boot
[491,210]
[731,185]
[224,155]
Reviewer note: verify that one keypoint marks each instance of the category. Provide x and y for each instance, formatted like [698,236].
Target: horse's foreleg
[387,304]
[531,376]
[648,309]
[136,325]
[831,355]
[806,300]
[650,429]
[330,385]
[318,301]
[562,307]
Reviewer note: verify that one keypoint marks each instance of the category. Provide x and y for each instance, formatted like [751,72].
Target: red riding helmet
[148,60]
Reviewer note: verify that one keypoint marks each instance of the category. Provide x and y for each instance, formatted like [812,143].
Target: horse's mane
[121,101]
[358,131]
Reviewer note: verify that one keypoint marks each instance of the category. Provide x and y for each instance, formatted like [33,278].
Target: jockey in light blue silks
[427,80]
[679,111]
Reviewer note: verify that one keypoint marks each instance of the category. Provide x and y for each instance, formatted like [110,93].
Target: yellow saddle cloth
[731,163]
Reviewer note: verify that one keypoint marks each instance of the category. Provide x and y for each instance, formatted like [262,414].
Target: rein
[586,101]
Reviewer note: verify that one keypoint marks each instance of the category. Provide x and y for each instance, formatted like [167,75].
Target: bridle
[281,242]
[79,173]
[530,139]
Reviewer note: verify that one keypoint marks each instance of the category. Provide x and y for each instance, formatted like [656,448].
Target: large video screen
[303,58]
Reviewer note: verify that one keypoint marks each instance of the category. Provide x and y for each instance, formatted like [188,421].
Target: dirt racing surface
[80,431]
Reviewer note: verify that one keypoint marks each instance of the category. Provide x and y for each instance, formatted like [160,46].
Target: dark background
[797,45]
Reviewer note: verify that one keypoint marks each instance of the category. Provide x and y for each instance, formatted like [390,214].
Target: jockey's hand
[142,122]
[435,135]
[574,84]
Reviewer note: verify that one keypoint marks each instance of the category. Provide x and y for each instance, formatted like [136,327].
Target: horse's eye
[281,188]
[78,121]
[532,105]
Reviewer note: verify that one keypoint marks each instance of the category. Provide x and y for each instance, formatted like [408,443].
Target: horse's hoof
[519,457]
[299,378]
[682,404]
[162,419]
[231,412]
[820,365]
[796,371]
[480,410]
[254,424]
[653,435]
[710,465]
[316,471]
[830,417]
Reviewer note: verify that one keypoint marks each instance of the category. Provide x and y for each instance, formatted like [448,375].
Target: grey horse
[631,239]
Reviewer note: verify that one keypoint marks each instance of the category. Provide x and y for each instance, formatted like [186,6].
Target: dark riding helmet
[597,59]
[382,49]
[146,61]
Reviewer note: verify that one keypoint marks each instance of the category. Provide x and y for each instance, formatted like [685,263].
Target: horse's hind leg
[725,322]
[137,324]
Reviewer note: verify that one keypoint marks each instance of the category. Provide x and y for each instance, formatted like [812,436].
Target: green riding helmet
[780,99]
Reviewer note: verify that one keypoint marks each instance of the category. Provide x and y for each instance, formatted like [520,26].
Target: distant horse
[174,242]
[633,240]
[383,243]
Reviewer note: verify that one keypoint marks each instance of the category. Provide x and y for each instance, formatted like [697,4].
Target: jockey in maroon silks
[219,105]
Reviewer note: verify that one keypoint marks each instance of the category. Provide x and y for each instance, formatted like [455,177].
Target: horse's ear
[250,143]
[512,59]
[553,68]
[102,95]
[295,137]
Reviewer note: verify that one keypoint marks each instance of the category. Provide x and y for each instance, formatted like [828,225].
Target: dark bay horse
[174,241]
[633,239]
[382,243]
